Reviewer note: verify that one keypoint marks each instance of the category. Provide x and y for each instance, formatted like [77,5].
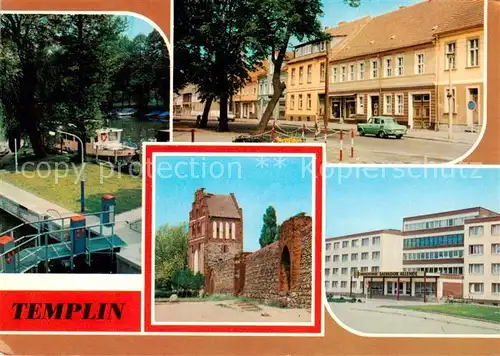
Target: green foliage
[185,280]
[270,228]
[170,253]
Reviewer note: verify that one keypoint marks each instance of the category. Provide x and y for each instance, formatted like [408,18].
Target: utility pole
[327,83]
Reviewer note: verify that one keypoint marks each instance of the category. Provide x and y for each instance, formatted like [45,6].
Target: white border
[388,335]
[153,228]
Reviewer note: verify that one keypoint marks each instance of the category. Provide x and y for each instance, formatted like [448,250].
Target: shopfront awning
[342,95]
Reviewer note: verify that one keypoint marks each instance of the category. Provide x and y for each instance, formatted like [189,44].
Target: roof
[344,29]
[413,25]
[449,213]
[222,206]
[368,233]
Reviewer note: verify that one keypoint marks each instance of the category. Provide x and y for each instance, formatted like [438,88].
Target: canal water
[135,130]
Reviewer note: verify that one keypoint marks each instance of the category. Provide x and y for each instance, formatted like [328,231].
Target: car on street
[382,126]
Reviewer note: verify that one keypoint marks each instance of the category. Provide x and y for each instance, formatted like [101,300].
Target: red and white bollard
[273,131]
[352,143]
[341,145]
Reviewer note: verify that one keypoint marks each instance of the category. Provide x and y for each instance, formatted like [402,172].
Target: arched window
[221,230]
[214,228]
[227,231]
[233,231]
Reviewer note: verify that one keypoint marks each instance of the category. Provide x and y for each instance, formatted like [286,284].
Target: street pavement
[372,317]
[418,147]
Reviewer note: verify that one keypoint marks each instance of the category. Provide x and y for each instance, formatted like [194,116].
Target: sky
[256,184]
[137,26]
[361,200]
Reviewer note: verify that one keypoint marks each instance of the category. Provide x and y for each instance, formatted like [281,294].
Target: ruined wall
[223,275]
[218,252]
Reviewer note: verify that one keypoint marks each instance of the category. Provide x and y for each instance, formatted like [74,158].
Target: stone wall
[223,276]
[215,253]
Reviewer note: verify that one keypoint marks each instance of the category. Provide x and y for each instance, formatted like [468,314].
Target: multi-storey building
[188,103]
[215,230]
[306,72]
[396,65]
[245,101]
[454,253]
[372,251]
[482,258]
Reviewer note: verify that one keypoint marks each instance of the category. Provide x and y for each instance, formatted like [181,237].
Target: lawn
[58,181]
[479,312]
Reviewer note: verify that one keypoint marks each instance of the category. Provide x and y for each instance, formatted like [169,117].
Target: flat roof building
[448,254]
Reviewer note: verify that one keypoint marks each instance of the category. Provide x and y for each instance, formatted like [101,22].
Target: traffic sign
[471,105]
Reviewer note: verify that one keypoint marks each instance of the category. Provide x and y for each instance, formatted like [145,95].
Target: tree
[171,252]
[276,22]
[270,229]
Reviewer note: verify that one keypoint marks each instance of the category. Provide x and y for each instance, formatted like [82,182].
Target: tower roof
[222,206]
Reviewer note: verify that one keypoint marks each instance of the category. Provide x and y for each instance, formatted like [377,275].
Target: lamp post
[82,176]
[451,58]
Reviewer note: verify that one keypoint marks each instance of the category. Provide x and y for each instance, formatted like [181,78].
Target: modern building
[215,230]
[397,65]
[306,72]
[448,254]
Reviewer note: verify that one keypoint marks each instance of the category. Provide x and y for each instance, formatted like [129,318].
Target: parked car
[126,112]
[382,126]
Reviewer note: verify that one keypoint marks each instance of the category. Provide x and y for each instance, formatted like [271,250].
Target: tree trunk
[278,88]
[223,121]
[206,111]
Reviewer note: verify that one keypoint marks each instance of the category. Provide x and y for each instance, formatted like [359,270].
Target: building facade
[448,254]
[396,65]
[266,89]
[188,103]
[306,72]
[215,230]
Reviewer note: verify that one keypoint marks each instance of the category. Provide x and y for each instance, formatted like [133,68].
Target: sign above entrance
[388,274]
[471,105]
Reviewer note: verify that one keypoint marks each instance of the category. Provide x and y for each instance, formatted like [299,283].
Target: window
[420,69]
[495,268]
[336,245]
[450,50]
[476,250]
[364,256]
[476,268]
[365,242]
[328,246]
[495,249]
[364,269]
[495,230]
[354,243]
[351,72]
[376,240]
[335,75]
[309,73]
[354,256]
[335,284]
[293,76]
[221,230]
[374,69]
[361,104]
[476,230]
[447,100]
[375,269]
[336,258]
[353,270]
[345,257]
[343,270]
[388,104]
[476,287]
[327,284]
[376,255]
[401,66]
[473,57]
[327,271]
[433,241]
[354,284]
[335,271]
[399,104]
[495,288]
[361,71]
[301,75]
[322,71]
[292,101]
[328,258]
[309,102]
[345,244]
[343,284]
[343,74]
[388,67]
[300,101]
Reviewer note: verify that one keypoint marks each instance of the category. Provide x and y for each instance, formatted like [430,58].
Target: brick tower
[215,232]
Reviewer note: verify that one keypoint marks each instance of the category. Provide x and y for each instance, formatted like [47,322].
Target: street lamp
[451,59]
[82,176]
